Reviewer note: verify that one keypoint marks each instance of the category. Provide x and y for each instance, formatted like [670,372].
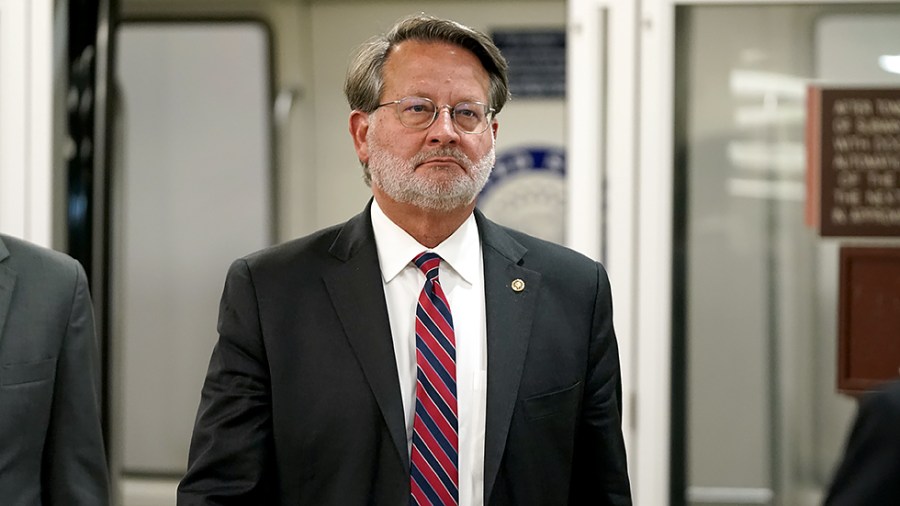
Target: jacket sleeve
[74,461]
[231,458]
[600,472]
[869,473]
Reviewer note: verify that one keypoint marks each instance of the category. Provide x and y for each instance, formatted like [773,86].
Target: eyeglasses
[420,113]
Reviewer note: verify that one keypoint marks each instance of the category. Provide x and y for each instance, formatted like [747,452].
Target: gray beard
[396,177]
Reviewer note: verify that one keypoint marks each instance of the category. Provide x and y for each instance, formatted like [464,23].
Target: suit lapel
[509,317]
[357,293]
[7,283]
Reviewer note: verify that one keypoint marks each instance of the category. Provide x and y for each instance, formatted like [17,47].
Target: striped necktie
[434,471]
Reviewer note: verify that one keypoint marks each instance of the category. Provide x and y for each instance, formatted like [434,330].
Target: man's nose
[443,130]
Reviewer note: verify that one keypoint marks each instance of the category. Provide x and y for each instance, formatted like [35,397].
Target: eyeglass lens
[418,112]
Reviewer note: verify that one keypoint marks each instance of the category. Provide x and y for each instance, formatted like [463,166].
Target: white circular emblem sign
[526,191]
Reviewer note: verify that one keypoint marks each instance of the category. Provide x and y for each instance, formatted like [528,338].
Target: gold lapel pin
[517,285]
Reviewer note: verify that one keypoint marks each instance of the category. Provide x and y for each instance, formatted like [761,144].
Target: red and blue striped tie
[434,471]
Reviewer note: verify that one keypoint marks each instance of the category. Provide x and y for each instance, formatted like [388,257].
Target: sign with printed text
[537,61]
[853,161]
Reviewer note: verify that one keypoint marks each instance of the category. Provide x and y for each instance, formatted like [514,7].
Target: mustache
[444,152]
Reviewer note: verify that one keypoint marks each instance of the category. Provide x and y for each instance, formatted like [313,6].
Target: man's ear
[359,127]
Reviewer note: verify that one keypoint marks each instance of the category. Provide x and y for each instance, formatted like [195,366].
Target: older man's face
[439,167]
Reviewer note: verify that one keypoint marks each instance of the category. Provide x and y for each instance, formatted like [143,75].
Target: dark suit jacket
[869,474]
[52,448]
[301,404]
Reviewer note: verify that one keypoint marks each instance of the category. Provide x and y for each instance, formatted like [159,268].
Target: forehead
[420,67]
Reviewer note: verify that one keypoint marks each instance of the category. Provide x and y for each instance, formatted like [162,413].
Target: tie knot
[428,262]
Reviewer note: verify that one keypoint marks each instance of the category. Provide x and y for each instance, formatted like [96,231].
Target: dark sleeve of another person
[869,473]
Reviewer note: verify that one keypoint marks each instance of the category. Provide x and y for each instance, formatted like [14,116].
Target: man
[350,369]
[51,446]
[869,474]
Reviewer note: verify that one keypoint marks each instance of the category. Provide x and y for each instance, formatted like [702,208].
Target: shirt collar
[396,248]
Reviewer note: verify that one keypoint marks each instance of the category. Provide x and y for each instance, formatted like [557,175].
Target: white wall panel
[26,102]
[193,194]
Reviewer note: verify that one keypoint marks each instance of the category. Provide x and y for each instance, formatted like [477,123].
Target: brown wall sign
[853,161]
[868,318]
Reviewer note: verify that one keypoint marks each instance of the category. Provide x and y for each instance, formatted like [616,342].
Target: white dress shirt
[462,277]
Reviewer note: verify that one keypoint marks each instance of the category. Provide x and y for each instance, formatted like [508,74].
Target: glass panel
[763,421]
[194,192]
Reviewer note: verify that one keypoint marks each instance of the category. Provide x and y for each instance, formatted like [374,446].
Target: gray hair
[365,80]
